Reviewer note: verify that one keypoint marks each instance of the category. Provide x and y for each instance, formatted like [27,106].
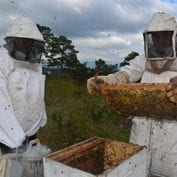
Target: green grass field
[74,115]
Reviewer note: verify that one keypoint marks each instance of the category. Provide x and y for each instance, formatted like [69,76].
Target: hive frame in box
[132,166]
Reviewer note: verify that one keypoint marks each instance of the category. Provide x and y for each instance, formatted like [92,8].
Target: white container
[97,157]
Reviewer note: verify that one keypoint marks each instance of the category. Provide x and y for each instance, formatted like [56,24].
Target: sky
[106,29]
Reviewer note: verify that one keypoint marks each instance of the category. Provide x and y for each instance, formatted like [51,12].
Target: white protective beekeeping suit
[22,108]
[160,137]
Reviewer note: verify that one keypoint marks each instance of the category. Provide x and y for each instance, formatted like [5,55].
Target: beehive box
[137,99]
[97,157]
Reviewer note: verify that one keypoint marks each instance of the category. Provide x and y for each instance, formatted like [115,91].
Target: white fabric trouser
[160,138]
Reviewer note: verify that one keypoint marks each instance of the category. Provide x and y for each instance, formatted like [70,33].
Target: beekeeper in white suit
[22,108]
[158,65]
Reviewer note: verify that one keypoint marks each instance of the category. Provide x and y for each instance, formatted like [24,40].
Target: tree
[104,69]
[58,49]
[47,35]
[62,53]
[46,32]
[81,73]
[130,56]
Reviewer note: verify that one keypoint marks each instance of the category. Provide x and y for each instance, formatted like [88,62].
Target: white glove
[172,90]
[94,84]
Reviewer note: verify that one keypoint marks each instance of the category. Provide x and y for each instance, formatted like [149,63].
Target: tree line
[60,56]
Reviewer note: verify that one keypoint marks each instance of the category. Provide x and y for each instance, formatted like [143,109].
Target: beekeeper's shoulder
[6,61]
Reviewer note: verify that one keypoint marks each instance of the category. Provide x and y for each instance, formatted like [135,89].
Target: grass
[74,115]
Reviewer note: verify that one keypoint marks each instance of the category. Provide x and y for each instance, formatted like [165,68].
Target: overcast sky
[107,29]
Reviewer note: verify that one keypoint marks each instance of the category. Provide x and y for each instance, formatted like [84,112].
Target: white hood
[161,22]
[24,27]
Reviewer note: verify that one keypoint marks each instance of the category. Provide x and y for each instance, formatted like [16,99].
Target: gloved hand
[94,84]
[172,89]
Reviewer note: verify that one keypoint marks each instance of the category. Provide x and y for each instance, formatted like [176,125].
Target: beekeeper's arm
[11,133]
[172,89]
[129,73]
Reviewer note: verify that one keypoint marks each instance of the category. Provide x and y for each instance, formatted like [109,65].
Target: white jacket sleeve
[129,73]
[135,69]
[11,133]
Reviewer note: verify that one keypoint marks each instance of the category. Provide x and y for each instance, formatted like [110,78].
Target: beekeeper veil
[160,37]
[24,40]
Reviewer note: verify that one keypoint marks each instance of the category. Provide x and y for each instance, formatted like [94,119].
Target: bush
[73,115]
